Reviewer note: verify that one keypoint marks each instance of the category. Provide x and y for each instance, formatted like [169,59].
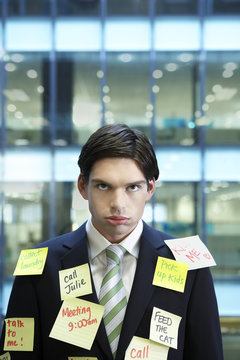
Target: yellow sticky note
[31,262]
[19,334]
[75,282]
[77,322]
[82,358]
[5,356]
[164,327]
[140,348]
[170,274]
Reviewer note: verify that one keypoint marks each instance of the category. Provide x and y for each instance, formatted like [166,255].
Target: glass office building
[170,68]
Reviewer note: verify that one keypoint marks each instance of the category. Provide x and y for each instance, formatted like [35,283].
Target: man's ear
[82,186]
[151,188]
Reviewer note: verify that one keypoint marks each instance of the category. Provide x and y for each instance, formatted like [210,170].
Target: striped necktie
[112,296]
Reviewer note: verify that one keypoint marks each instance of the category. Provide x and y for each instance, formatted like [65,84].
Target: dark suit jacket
[39,297]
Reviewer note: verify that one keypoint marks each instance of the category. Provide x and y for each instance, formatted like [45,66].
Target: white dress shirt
[97,245]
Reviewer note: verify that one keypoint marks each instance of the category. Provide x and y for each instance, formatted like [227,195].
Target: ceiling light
[16,95]
[10,67]
[100,74]
[106,89]
[18,115]
[155,89]
[125,57]
[106,99]
[205,107]
[185,57]
[210,98]
[11,108]
[17,58]
[149,107]
[157,74]
[216,88]
[171,67]
[32,74]
[230,66]
[227,74]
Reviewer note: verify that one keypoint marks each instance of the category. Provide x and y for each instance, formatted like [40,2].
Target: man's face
[116,191]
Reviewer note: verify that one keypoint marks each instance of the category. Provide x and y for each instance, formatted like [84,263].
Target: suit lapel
[78,255]
[142,290]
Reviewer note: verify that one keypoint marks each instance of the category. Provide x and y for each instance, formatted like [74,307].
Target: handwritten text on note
[164,327]
[140,348]
[77,322]
[170,274]
[75,282]
[192,251]
[19,334]
[31,262]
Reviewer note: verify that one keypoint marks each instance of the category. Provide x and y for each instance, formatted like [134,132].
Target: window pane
[79,109]
[225,7]
[26,218]
[127,7]
[223,228]
[179,7]
[76,7]
[28,7]
[175,107]
[126,94]
[222,102]
[27,114]
[175,209]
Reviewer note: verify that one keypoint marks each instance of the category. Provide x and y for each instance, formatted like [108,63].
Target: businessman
[118,170]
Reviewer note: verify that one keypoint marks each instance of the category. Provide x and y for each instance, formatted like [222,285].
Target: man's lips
[117,220]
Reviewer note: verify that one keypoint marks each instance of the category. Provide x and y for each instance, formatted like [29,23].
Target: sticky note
[5,356]
[77,322]
[82,358]
[164,327]
[75,282]
[19,334]
[192,251]
[170,274]
[140,348]
[31,262]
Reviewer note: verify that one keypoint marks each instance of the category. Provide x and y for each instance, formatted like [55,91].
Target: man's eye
[102,186]
[133,188]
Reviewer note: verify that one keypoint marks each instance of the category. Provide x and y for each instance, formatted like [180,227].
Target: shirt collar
[98,243]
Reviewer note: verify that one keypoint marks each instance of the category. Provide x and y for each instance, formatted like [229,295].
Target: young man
[118,173]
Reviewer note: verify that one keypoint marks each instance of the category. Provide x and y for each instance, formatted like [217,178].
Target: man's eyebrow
[102,181]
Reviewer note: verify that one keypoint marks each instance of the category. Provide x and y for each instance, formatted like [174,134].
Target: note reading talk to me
[140,348]
[19,334]
[170,274]
[31,262]
[192,251]
[77,322]
[164,327]
[75,282]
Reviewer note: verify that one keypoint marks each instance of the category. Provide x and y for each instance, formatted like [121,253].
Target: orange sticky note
[19,334]
[31,262]
[170,274]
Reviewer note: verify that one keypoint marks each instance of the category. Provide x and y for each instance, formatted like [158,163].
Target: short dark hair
[119,141]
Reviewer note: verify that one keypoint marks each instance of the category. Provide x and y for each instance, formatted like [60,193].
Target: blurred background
[170,68]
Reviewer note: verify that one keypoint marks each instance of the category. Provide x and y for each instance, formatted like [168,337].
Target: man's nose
[118,200]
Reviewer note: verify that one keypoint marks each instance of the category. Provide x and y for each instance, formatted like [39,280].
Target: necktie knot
[115,254]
